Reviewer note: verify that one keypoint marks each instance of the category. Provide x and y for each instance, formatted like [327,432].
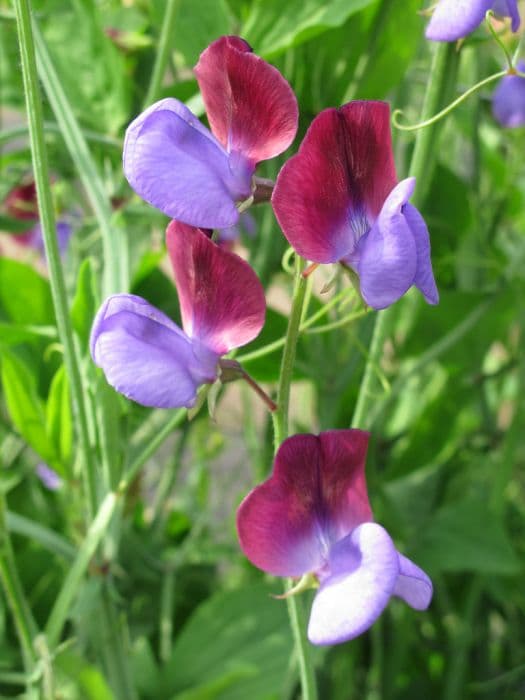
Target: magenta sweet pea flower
[313,516]
[147,357]
[337,201]
[454,19]
[508,101]
[199,177]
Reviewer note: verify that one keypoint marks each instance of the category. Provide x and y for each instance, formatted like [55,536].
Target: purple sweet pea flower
[313,516]
[508,101]
[337,200]
[454,19]
[147,357]
[173,162]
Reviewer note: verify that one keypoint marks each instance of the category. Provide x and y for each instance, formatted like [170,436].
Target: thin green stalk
[114,655]
[280,416]
[24,622]
[166,616]
[60,611]
[280,425]
[152,446]
[454,687]
[114,241]
[448,341]
[163,52]
[167,481]
[444,64]
[367,389]
[47,219]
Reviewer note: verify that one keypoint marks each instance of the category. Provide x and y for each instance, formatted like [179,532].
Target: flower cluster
[337,200]
[313,516]
[21,204]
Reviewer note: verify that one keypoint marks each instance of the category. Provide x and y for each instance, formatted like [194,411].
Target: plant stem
[24,622]
[161,59]
[421,167]
[280,416]
[47,219]
[152,446]
[280,425]
[77,570]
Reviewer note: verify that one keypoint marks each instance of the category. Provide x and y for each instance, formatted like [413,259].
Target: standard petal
[176,165]
[387,260]
[454,19]
[146,357]
[508,101]
[424,279]
[222,301]
[413,585]
[250,106]
[328,195]
[316,494]
[364,568]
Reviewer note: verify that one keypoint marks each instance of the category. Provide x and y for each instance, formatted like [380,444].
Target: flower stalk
[280,418]
[444,63]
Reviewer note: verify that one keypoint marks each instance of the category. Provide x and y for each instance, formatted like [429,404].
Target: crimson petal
[329,194]
[222,301]
[315,496]
[250,106]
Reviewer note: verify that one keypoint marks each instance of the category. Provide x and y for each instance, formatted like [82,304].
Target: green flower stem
[152,446]
[60,611]
[280,425]
[24,622]
[47,219]
[163,53]
[114,654]
[280,416]
[442,73]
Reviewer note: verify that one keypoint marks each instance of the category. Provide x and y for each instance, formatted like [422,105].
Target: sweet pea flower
[508,101]
[337,200]
[454,19]
[147,357]
[199,177]
[21,204]
[312,516]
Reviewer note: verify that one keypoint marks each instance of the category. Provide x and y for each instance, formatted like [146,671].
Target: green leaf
[466,536]
[92,70]
[383,67]
[198,24]
[59,421]
[14,334]
[31,304]
[272,27]
[84,306]
[25,407]
[235,646]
